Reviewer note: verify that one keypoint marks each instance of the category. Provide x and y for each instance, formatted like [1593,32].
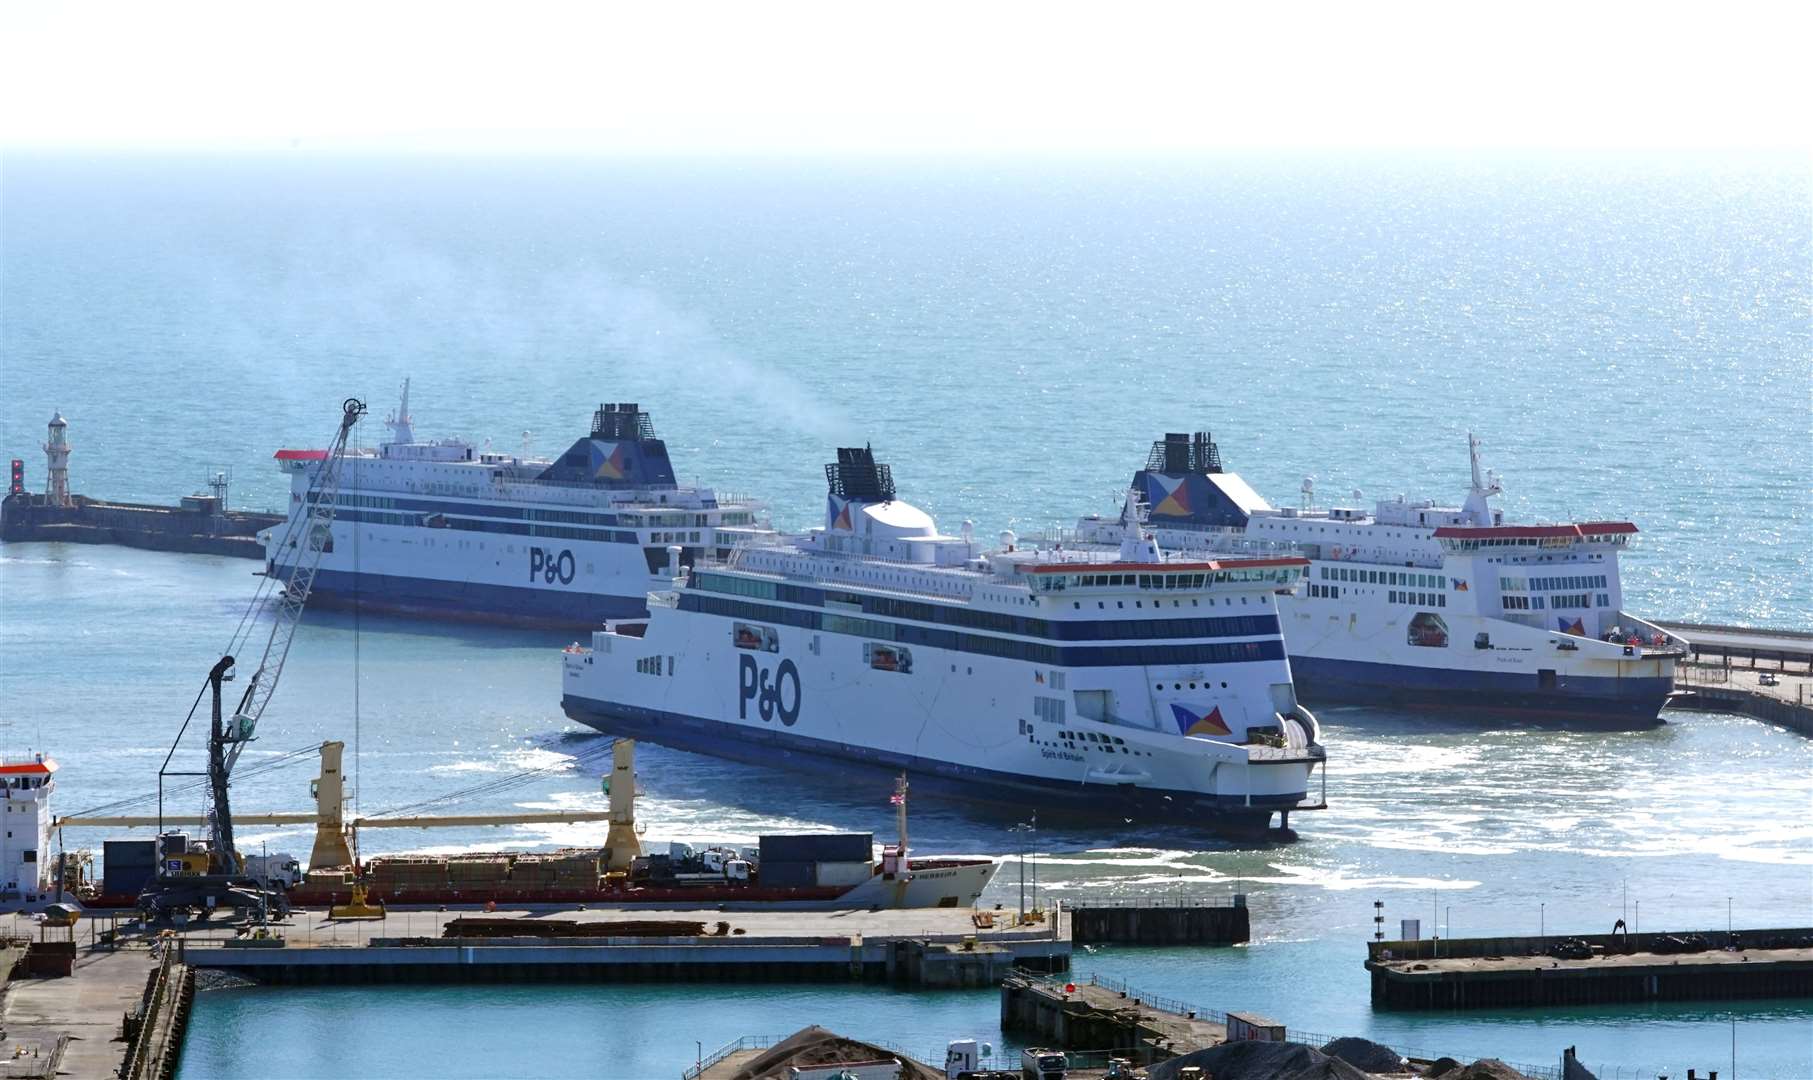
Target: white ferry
[1420,604]
[1128,684]
[447,529]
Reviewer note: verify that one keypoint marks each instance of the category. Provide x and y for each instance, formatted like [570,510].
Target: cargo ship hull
[925,883]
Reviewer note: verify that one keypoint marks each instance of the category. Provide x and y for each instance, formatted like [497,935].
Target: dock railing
[747,1042]
[1158,1001]
[138,1054]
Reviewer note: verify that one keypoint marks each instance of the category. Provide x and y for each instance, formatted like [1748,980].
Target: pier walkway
[77,1025]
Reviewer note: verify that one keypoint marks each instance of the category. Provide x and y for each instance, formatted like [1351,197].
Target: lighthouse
[56,452]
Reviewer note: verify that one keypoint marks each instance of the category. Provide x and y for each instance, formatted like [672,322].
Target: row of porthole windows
[1179,686]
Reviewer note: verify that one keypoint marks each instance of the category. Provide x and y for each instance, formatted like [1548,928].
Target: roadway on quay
[315,928]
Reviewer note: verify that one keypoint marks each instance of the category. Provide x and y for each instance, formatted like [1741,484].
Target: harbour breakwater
[197,525]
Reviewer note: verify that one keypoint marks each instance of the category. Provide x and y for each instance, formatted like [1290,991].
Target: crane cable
[270,765]
[358,444]
[513,781]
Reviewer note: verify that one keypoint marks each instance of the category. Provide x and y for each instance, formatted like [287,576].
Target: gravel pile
[1365,1055]
[1260,1061]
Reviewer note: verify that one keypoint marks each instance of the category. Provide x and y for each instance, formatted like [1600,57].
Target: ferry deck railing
[966,581]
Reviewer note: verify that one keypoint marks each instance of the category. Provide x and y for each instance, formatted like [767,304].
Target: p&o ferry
[1127,684]
[1420,604]
[448,529]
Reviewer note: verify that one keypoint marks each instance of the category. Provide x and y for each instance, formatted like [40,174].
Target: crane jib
[228,735]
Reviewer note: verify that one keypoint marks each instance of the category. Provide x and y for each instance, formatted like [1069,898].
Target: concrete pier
[1103,1015]
[119,1013]
[921,947]
[1160,921]
[1590,969]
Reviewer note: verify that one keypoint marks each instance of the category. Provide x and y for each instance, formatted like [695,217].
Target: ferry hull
[781,749]
[1579,700]
[475,602]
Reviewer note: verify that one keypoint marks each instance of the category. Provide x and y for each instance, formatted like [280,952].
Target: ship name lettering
[775,693]
[550,567]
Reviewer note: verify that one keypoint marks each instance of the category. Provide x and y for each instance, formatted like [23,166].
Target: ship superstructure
[449,529]
[1128,683]
[1417,603]
[25,859]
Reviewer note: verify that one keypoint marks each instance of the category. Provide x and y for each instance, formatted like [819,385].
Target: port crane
[200,877]
[335,833]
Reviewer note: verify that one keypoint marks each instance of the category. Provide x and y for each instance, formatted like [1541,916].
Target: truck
[1037,1064]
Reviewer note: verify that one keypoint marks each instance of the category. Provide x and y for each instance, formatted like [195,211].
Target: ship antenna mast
[900,806]
[1485,485]
[400,421]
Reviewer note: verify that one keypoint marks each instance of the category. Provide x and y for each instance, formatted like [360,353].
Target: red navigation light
[1070,988]
[18,486]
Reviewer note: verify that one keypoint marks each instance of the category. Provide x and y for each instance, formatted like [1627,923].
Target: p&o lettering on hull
[549,567]
[776,694]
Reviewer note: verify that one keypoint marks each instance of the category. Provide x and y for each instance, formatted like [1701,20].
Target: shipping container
[129,852]
[125,880]
[126,865]
[844,874]
[818,847]
[786,875]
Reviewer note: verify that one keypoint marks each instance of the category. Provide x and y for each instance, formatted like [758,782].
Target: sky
[875,78]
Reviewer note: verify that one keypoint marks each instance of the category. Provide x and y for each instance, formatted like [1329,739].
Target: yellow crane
[336,837]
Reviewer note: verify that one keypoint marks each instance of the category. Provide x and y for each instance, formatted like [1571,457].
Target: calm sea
[1630,337]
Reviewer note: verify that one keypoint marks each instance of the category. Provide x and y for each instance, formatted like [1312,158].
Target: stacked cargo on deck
[126,865]
[401,876]
[565,870]
[478,874]
[816,860]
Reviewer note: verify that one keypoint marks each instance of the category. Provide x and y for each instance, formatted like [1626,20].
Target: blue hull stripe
[551,608]
[1594,700]
[778,748]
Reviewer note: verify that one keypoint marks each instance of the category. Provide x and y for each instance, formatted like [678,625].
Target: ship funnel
[1179,453]
[622,420]
[856,476]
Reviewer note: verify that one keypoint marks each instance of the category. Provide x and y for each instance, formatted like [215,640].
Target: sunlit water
[1631,339]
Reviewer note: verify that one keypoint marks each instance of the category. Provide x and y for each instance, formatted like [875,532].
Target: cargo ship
[801,870]
[685,877]
[797,870]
